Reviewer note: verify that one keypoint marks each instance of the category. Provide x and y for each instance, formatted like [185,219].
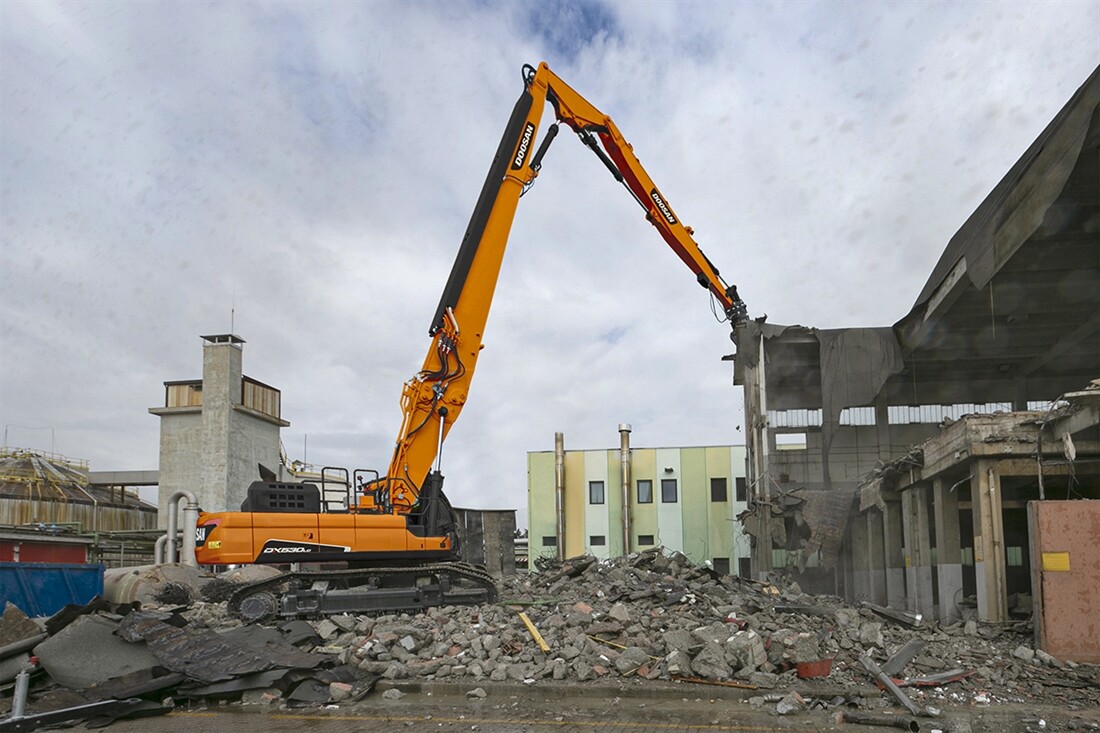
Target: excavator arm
[432,400]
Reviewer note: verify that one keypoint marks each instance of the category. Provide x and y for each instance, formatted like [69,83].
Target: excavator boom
[397,533]
[434,397]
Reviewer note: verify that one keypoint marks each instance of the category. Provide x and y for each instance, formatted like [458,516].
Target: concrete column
[892,540]
[989,555]
[859,548]
[948,552]
[221,390]
[882,427]
[757,442]
[918,550]
[876,556]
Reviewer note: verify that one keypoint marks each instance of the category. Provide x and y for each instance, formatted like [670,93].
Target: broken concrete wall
[487,537]
[1065,572]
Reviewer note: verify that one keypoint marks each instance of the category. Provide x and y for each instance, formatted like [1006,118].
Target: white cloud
[312,168]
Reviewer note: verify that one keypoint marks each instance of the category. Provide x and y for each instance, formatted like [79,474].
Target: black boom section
[475,230]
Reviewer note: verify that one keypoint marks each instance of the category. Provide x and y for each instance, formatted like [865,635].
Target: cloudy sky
[305,171]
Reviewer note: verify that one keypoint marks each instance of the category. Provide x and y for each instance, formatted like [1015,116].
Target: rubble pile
[649,618]
[103,662]
[656,616]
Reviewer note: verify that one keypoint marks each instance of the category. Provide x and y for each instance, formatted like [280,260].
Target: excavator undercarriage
[365,590]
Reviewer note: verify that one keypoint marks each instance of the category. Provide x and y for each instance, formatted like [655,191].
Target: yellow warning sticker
[1056,562]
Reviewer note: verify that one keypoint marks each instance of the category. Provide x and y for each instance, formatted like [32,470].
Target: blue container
[43,589]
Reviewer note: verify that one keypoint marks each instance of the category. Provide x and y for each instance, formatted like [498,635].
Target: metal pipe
[878,674]
[886,721]
[19,698]
[559,492]
[190,520]
[624,461]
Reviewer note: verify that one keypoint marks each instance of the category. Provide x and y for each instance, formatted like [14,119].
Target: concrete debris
[16,627]
[792,702]
[650,616]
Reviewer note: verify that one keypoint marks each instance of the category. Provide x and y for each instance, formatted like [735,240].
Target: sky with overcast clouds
[310,168]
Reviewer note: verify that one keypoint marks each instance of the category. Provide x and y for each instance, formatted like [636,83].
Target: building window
[1014,557]
[741,489]
[718,492]
[668,490]
[597,540]
[550,541]
[645,491]
[595,492]
[744,567]
[722,564]
[645,539]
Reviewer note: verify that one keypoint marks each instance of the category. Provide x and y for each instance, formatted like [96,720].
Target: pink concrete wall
[1065,558]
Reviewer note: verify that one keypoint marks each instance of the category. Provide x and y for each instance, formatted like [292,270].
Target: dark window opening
[550,541]
[744,567]
[597,540]
[741,489]
[668,490]
[722,565]
[645,491]
[645,539]
[718,490]
[595,492]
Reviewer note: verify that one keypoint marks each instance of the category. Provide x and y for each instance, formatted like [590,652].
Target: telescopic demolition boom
[432,400]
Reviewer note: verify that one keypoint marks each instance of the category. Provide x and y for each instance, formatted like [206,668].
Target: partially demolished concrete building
[896,464]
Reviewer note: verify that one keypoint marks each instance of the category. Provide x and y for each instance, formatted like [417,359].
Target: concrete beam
[123,478]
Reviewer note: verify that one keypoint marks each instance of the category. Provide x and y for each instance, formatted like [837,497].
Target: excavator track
[306,593]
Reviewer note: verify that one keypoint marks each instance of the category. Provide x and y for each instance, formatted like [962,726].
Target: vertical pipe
[190,519]
[559,491]
[624,460]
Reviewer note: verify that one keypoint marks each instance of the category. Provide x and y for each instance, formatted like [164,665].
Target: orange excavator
[392,543]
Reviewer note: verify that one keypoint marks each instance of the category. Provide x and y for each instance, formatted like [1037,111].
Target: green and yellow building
[684,499]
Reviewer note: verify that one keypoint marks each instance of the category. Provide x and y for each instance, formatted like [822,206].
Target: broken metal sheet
[232,688]
[899,659]
[202,656]
[299,631]
[935,680]
[274,647]
[207,656]
[135,684]
[87,652]
[72,612]
[310,692]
